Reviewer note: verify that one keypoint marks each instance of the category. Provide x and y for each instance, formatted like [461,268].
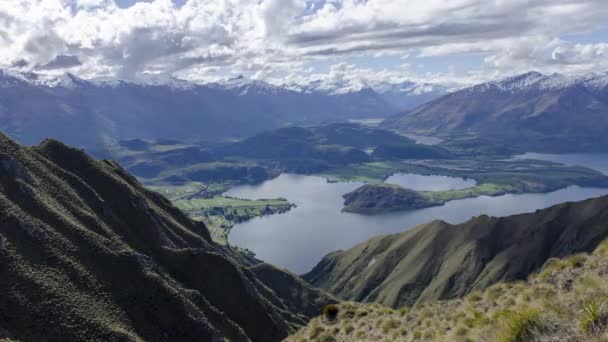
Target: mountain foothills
[88,112]
[438,260]
[257,158]
[527,112]
[87,253]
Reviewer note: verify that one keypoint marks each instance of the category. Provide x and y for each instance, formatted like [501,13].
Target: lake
[298,239]
[430,183]
[423,139]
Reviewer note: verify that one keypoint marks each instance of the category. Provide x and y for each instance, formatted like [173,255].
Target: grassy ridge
[567,300]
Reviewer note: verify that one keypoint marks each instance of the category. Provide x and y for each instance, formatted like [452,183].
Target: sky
[452,42]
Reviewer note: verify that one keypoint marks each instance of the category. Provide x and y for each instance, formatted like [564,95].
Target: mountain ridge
[87,113]
[87,253]
[441,261]
[531,111]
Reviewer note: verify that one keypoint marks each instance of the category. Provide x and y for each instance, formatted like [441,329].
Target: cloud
[274,39]
[62,62]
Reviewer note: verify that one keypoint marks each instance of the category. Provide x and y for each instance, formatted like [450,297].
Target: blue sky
[455,42]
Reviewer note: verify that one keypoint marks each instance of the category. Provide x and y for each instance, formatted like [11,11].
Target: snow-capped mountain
[553,107]
[407,94]
[535,81]
[87,112]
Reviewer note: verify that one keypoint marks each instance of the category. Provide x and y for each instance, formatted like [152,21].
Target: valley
[303,171]
[209,181]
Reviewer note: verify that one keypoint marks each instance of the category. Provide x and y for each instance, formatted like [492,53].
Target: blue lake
[298,239]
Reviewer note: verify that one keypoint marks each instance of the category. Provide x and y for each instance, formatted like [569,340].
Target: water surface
[429,183]
[423,139]
[298,239]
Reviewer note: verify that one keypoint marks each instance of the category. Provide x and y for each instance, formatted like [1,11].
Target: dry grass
[566,301]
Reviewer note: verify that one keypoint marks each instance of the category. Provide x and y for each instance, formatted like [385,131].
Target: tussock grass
[567,300]
[521,325]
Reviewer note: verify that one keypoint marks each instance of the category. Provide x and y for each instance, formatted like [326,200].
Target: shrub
[330,312]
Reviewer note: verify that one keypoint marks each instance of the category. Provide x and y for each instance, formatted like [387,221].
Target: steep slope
[565,301]
[86,253]
[532,106]
[440,261]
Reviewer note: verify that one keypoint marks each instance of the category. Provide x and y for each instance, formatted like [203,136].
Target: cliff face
[440,261]
[86,253]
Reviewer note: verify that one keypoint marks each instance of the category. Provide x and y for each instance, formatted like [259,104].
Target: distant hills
[87,253]
[439,260]
[88,112]
[542,112]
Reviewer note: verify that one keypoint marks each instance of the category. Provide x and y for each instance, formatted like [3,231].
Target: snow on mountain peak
[67,80]
[537,81]
[407,88]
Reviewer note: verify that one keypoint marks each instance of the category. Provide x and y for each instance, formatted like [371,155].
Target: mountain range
[543,112]
[89,112]
[87,253]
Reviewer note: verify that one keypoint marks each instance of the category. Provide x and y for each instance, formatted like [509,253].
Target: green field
[220,213]
[190,190]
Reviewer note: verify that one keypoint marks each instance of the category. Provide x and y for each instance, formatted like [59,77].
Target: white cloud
[274,39]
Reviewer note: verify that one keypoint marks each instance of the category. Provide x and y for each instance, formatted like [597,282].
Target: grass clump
[594,317]
[315,329]
[475,296]
[462,331]
[330,312]
[602,249]
[359,334]
[551,266]
[417,334]
[521,326]
[577,260]
[326,337]
[389,325]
